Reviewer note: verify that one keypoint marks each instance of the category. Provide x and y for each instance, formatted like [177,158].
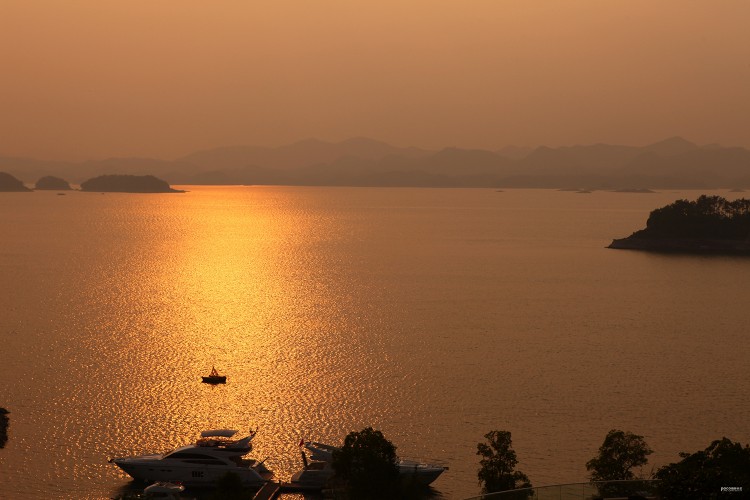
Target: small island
[634,190]
[52,183]
[128,184]
[9,183]
[709,225]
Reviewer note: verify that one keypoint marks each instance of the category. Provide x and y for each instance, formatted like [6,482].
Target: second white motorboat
[318,471]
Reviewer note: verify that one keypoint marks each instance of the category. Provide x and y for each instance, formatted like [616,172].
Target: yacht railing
[594,490]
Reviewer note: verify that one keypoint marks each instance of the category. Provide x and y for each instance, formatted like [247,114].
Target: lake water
[434,315]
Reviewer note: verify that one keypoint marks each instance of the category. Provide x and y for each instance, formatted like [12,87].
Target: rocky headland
[709,225]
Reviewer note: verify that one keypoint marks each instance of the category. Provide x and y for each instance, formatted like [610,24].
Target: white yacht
[201,463]
[319,470]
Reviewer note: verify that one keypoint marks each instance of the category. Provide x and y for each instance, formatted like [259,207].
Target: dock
[269,491]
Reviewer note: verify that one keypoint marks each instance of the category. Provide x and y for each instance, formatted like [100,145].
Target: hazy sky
[97,78]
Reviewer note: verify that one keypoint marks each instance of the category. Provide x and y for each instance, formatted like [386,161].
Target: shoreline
[683,245]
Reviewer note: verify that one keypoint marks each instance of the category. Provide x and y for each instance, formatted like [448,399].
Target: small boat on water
[319,470]
[215,378]
[200,464]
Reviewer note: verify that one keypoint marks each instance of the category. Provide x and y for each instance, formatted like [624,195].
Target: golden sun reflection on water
[240,284]
[159,290]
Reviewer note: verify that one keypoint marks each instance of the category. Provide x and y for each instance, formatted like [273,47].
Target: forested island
[711,224]
[128,184]
[102,183]
[50,182]
[10,183]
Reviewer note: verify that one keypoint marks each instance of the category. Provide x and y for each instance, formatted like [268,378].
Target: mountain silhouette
[671,146]
[296,155]
[671,163]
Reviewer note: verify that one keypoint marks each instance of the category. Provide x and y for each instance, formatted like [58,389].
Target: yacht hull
[195,476]
[218,379]
[421,474]
[318,473]
[410,471]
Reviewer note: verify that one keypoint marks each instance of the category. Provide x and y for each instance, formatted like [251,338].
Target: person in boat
[214,373]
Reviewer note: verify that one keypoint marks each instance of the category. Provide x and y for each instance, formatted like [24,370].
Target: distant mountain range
[669,164]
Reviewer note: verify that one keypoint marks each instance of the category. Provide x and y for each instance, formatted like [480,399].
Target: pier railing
[595,490]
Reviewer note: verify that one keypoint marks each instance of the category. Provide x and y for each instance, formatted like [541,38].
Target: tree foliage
[618,454]
[497,466]
[703,474]
[711,217]
[367,463]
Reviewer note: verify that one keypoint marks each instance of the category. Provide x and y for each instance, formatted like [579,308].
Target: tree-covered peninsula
[711,224]
[128,184]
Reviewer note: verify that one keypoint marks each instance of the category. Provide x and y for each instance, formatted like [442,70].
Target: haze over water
[433,315]
[85,79]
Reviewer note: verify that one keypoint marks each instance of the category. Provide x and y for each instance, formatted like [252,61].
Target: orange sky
[97,78]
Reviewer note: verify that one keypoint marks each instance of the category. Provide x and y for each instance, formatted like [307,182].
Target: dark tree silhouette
[497,466]
[367,464]
[4,423]
[703,474]
[618,454]
[707,217]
